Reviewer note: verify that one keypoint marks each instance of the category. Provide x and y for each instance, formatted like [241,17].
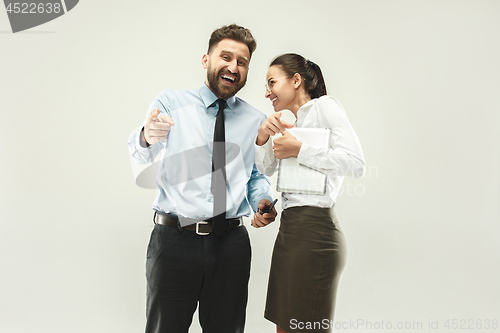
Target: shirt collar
[304,108]
[209,98]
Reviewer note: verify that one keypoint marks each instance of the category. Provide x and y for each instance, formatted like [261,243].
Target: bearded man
[199,251]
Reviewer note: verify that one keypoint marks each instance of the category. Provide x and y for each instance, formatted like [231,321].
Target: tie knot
[222,104]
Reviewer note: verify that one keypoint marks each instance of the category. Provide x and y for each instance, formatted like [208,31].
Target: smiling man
[227,81]
[199,251]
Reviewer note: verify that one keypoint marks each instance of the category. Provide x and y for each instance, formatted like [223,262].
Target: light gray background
[420,83]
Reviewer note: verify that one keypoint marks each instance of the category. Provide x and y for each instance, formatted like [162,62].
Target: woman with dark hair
[310,252]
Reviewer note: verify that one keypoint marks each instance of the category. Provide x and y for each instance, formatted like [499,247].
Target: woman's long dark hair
[292,63]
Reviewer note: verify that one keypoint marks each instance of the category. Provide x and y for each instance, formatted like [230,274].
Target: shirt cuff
[143,151]
[266,148]
[138,140]
[264,158]
[307,154]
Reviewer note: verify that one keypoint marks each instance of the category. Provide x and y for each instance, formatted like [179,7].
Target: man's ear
[204,61]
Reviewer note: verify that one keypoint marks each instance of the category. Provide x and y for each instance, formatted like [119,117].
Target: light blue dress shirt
[184,178]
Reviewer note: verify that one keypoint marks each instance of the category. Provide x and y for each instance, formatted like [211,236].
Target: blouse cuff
[264,158]
[266,148]
[307,154]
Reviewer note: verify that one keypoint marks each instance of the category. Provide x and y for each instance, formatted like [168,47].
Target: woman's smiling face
[282,91]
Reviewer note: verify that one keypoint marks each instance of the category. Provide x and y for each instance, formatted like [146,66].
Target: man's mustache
[236,75]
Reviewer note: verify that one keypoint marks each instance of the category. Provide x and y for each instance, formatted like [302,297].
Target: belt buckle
[198,228]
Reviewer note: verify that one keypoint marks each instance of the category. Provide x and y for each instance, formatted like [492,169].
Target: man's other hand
[261,220]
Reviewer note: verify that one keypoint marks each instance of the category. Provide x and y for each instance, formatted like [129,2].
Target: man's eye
[225,57]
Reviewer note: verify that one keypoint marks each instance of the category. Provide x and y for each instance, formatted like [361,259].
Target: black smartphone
[268,209]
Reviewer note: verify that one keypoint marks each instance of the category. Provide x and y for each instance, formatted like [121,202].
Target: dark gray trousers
[184,269]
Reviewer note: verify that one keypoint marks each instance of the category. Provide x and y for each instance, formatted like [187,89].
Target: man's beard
[219,89]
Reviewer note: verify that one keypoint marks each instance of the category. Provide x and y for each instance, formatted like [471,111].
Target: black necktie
[219,224]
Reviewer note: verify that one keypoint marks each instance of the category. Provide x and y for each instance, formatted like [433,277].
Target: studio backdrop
[419,81]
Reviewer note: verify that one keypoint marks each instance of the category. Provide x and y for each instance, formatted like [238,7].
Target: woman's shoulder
[328,103]
[327,100]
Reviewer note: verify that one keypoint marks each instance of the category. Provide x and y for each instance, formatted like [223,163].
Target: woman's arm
[264,157]
[265,160]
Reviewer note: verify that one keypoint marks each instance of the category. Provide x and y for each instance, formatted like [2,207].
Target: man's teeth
[228,78]
[275,98]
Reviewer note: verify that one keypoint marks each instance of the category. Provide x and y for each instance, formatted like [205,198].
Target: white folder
[297,178]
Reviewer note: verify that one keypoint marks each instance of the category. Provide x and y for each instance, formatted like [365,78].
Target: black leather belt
[201,228]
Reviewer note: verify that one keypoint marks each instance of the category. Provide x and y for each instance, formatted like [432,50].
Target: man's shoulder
[179,93]
[177,98]
[241,103]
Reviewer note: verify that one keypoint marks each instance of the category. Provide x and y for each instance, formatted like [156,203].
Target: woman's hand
[286,146]
[270,127]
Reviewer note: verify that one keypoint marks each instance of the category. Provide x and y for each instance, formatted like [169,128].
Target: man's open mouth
[228,78]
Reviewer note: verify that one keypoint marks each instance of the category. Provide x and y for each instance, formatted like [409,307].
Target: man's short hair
[234,32]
